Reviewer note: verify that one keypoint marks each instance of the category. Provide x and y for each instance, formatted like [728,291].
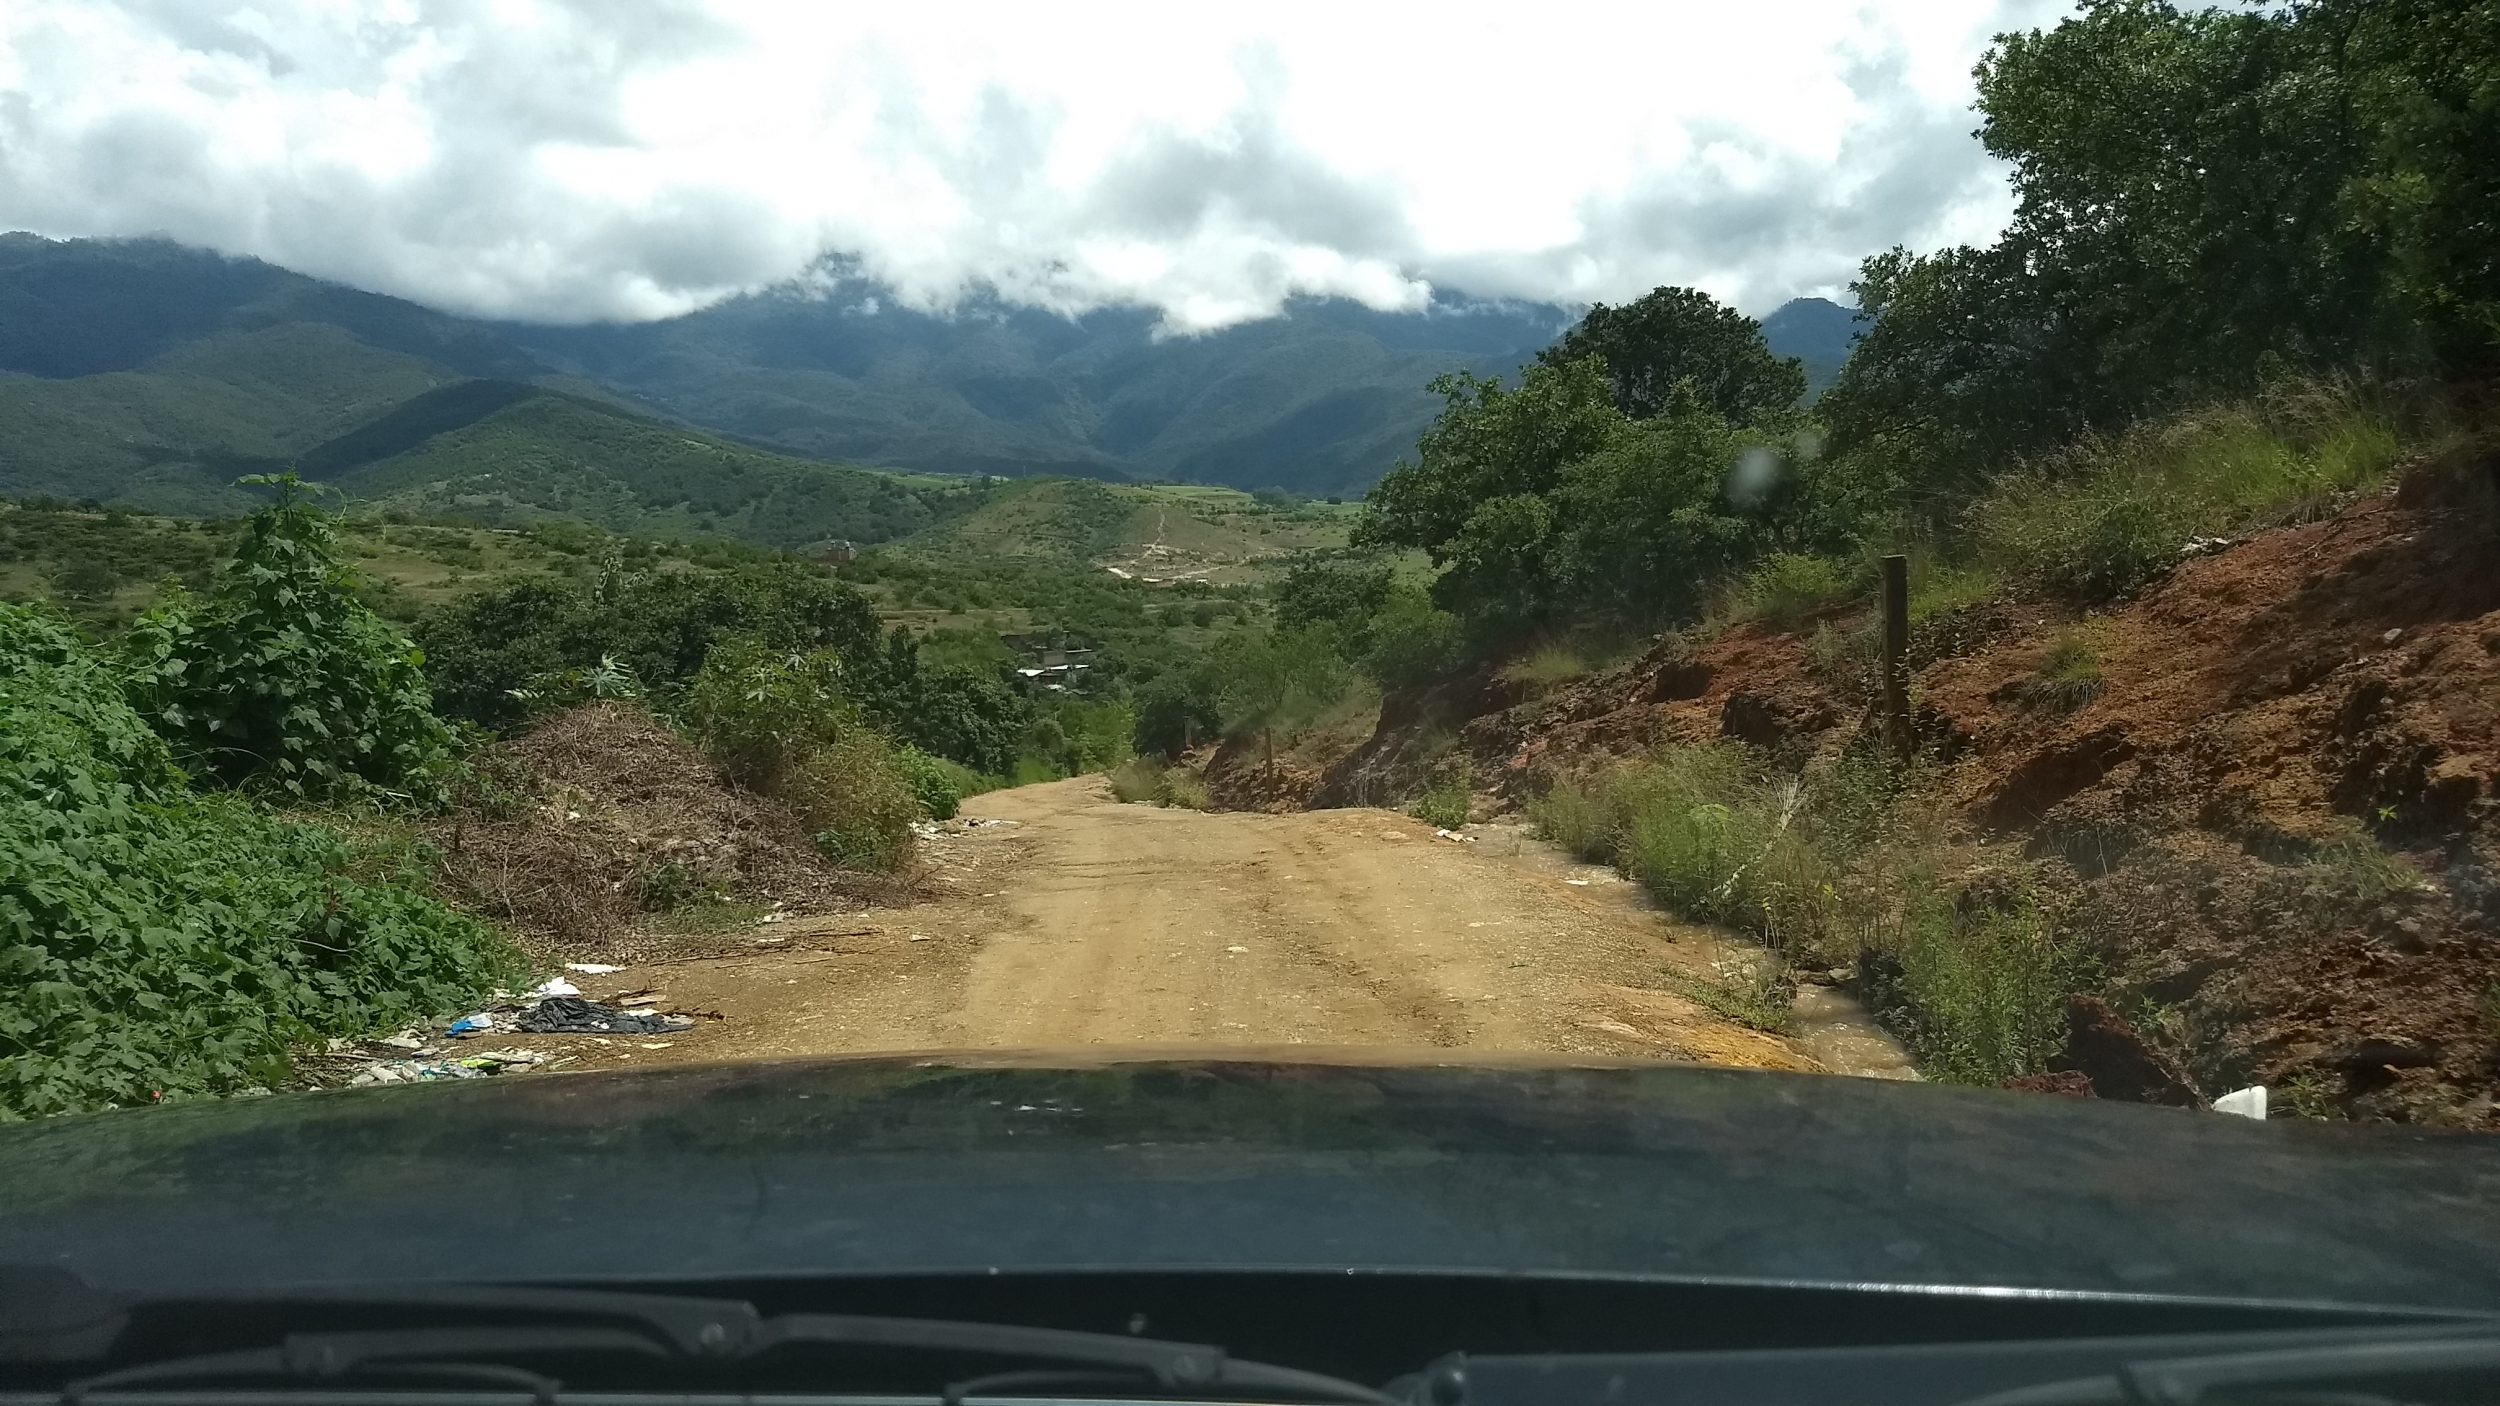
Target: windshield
[1937,555]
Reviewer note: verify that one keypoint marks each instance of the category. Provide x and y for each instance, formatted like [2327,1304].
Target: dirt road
[1067,920]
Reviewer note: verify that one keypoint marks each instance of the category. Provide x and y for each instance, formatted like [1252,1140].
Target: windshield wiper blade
[435,1352]
[2359,1372]
[687,1329]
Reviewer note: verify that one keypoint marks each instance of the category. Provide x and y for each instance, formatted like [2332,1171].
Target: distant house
[1056,668]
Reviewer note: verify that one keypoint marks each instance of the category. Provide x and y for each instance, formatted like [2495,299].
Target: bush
[2069,676]
[1136,781]
[2106,515]
[1575,814]
[1412,642]
[932,781]
[779,724]
[1175,713]
[1545,667]
[1446,801]
[1183,788]
[1785,589]
[856,801]
[155,941]
[1981,984]
[283,678]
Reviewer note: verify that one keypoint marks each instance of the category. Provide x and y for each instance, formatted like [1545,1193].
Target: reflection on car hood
[951,1163]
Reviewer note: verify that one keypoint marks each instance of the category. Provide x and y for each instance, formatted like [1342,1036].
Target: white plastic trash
[591,968]
[553,986]
[2247,1103]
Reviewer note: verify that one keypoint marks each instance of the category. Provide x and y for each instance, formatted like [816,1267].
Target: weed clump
[166,941]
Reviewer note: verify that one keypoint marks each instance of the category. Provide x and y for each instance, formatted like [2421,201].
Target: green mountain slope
[535,456]
[145,373]
[1816,331]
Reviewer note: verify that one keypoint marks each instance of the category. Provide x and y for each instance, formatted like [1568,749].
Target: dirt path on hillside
[1065,920]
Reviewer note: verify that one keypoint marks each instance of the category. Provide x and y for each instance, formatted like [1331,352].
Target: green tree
[1673,335]
[282,677]
[1269,679]
[1474,497]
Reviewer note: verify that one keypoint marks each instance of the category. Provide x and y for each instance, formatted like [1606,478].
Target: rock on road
[1088,923]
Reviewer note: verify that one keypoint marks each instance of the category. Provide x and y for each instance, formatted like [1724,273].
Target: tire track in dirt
[1084,923]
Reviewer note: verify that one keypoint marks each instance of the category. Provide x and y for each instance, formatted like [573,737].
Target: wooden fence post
[1896,655]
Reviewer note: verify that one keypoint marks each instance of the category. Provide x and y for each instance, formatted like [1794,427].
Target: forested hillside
[144,373]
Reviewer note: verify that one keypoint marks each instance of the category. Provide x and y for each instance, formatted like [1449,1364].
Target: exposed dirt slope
[2274,719]
[1087,922]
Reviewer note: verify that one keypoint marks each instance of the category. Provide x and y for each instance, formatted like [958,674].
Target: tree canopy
[1673,335]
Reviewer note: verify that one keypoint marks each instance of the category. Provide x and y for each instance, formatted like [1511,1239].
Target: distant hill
[541,455]
[146,373]
[1818,332]
[1319,400]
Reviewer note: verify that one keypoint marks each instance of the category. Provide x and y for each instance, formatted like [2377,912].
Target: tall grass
[1546,667]
[1979,983]
[2102,517]
[1983,985]
[1786,589]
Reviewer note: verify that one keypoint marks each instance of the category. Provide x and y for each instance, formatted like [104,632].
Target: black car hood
[948,1163]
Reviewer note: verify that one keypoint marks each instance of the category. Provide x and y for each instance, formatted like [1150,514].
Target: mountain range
[147,373]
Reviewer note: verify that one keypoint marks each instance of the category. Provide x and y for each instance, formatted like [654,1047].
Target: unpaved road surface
[1081,922]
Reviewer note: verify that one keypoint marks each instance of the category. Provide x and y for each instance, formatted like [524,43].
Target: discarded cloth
[571,1015]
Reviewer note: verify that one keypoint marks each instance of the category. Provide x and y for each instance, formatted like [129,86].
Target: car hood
[954,1163]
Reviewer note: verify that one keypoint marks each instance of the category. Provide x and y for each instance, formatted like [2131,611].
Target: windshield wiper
[696,1329]
[2390,1370]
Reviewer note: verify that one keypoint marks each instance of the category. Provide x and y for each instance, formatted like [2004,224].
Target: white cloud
[582,159]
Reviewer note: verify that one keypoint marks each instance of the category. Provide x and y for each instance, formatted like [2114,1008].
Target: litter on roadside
[462,1028]
[2247,1103]
[552,986]
[570,1015]
[427,1071]
[1577,883]
[1453,835]
[592,968]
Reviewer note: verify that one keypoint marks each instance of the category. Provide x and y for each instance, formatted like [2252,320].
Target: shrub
[1981,985]
[1412,642]
[1174,713]
[1179,786]
[1446,801]
[858,803]
[932,782]
[2069,676]
[1576,815]
[2108,514]
[283,678]
[157,941]
[778,723]
[1136,781]
[1546,667]
[1785,589]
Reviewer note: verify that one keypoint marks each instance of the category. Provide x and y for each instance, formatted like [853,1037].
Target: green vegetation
[1545,667]
[283,678]
[2069,676]
[1816,865]
[779,723]
[157,940]
[548,456]
[1142,780]
[1446,801]
[2102,517]
[1980,979]
[1675,343]
[1785,589]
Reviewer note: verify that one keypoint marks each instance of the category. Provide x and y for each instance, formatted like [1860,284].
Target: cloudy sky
[584,159]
